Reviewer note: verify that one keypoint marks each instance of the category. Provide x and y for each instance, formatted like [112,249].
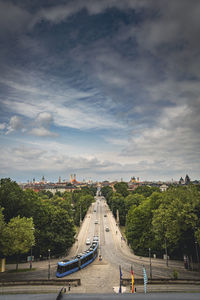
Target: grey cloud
[14,20]
[59,13]
[2,126]
[25,153]
[44,119]
[15,123]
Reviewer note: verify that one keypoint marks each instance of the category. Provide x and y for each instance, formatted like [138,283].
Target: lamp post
[49,264]
[150,268]
[80,216]
[31,261]
[197,255]
[166,252]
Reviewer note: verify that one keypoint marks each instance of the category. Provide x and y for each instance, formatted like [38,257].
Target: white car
[96,222]
[88,241]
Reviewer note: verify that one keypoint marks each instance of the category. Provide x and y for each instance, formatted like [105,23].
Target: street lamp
[49,264]
[166,252]
[80,216]
[150,268]
[197,254]
[31,252]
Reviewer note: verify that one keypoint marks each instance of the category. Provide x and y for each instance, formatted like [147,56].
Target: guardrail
[62,282]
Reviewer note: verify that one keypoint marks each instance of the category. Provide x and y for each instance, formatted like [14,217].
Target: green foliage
[139,226]
[175,274]
[117,203]
[18,236]
[107,192]
[45,193]
[197,236]
[11,198]
[145,190]
[171,219]
[81,207]
[176,218]
[2,227]
[53,217]
[131,199]
[121,188]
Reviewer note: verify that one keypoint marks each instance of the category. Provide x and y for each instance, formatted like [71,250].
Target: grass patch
[21,270]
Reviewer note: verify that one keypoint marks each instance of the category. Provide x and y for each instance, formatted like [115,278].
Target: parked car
[107,229]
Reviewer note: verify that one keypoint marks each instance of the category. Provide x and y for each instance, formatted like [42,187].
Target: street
[103,276]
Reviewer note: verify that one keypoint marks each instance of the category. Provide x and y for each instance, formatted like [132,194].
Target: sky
[104,89]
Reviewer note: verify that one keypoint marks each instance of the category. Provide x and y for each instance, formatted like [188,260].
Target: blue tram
[79,262]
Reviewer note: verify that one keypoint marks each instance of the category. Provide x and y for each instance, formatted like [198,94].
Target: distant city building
[187,179]
[163,187]
[181,181]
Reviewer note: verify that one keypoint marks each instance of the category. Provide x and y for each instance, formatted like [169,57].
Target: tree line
[40,221]
[158,220]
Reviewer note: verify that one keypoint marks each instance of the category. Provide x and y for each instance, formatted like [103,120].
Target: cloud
[42,131]
[14,20]
[15,123]
[44,119]
[2,126]
[135,78]
[43,122]
[59,13]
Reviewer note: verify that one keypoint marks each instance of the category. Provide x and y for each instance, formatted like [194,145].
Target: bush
[175,274]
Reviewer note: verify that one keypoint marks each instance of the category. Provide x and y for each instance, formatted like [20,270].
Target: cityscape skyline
[103,89]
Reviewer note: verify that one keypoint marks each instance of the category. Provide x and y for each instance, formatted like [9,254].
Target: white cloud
[44,118]
[14,124]
[42,131]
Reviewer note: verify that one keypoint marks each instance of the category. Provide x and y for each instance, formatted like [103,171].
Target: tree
[81,207]
[117,203]
[176,218]
[122,188]
[2,227]
[106,190]
[45,193]
[138,229]
[145,190]
[61,233]
[18,236]
[131,199]
[11,198]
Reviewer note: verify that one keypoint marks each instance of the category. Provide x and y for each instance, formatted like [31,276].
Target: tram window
[85,259]
[63,269]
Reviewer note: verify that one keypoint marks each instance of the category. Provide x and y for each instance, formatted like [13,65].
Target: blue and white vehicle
[78,263]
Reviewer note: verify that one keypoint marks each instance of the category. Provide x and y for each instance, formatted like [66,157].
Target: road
[103,276]
[114,249]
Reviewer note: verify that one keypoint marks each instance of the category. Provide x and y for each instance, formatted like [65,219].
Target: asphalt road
[115,250]
[103,276]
